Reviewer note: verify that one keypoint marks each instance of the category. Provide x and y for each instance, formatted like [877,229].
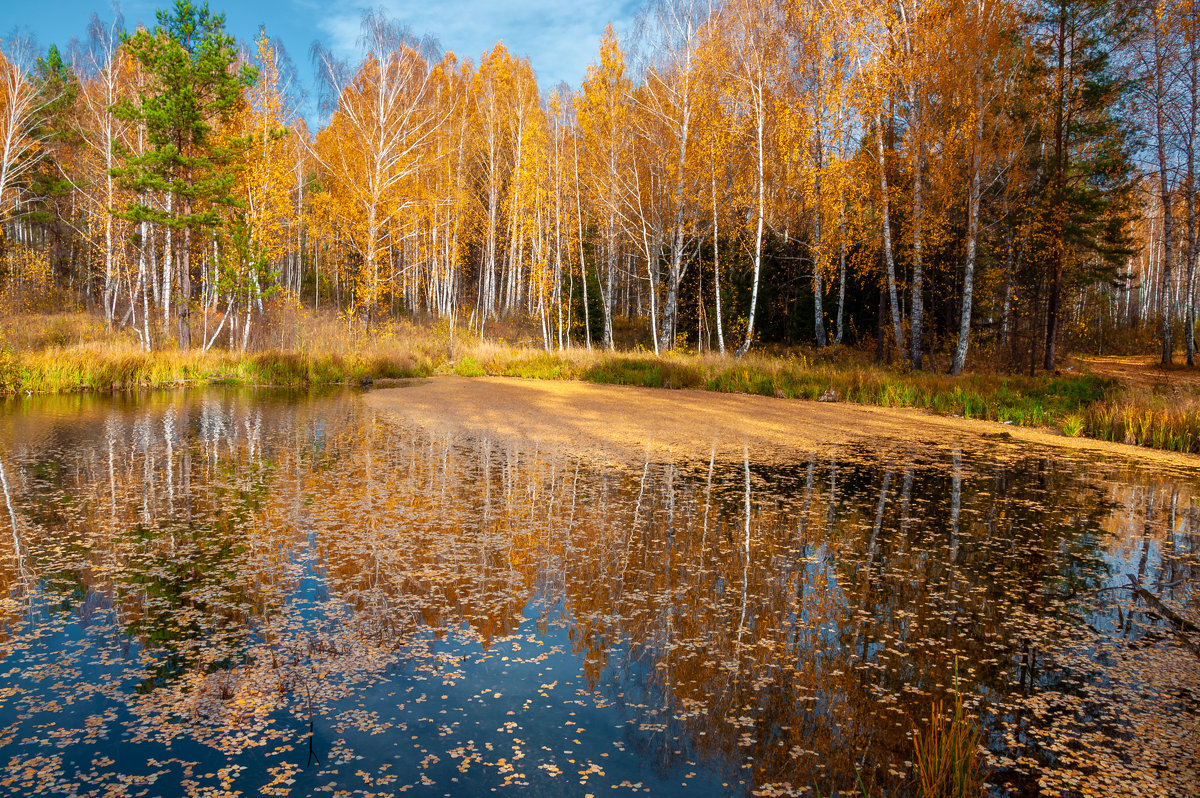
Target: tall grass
[1146,422]
[91,368]
[946,757]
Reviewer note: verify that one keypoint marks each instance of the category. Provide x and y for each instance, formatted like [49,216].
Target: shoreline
[631,423]
[1089,408]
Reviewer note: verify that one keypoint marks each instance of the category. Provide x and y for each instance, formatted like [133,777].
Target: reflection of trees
[149,528]
[794,618]
[804,648]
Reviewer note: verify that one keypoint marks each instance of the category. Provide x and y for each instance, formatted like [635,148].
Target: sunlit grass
[296,347]
[1146,421]
[92,368]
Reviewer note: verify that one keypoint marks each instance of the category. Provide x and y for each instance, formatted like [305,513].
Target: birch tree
[754,31]
[602,108]
[673,35]
[983,72]
[381,130]
[20,108]
[104,69]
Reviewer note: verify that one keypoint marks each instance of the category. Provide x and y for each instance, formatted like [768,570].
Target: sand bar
[631,423]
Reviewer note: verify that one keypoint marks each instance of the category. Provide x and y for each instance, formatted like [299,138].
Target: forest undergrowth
[73,352]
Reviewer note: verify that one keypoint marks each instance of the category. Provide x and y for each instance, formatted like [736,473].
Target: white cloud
[560,37]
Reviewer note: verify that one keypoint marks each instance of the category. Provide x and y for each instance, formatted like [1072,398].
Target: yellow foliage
[28,281]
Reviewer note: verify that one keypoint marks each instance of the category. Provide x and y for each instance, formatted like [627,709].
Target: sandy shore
[631,423]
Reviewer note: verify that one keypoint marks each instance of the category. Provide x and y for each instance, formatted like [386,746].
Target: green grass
[647,372]
[1145,421]
[1072,425]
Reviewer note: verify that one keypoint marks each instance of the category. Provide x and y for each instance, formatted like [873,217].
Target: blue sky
[560,37]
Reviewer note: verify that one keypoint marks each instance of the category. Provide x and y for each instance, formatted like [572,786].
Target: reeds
[946,752]
[1146,422]
[1072,425]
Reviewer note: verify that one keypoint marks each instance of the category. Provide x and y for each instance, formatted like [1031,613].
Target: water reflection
[287,595]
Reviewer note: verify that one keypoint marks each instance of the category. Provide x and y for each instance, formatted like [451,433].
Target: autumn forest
[945,180]
[337,455]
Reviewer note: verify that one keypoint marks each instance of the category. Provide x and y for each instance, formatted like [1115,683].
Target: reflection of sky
[550,633]
[448,709]
[560,38]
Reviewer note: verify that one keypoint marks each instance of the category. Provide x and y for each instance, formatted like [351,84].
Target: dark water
[228,592]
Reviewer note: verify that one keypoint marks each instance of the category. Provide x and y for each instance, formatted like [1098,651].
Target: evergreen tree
[1085,148]
[193,82]
[49,206]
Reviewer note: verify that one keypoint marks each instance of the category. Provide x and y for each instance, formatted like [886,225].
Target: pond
[224,591]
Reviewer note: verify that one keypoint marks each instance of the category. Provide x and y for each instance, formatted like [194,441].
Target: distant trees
[945,179]
[1164,52]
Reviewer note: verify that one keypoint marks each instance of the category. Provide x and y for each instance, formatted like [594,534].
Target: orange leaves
[26,281]
[376,147]
[602,108]
[265,179]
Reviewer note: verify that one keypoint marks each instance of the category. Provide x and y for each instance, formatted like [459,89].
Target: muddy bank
[632,423]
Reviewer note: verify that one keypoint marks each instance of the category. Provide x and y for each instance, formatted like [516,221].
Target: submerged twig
[1179,625]
[1159,586]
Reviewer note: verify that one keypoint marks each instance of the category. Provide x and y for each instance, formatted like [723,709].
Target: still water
[222,591]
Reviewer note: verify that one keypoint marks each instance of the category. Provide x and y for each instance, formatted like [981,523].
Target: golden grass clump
[947,761]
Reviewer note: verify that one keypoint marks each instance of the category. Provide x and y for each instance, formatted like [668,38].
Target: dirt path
[629,423]
[1144,372]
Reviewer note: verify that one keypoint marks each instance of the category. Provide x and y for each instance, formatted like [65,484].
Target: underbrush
[32,332]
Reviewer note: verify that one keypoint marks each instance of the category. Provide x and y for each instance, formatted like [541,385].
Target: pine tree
[49,206]
[194,83]
[1087,166]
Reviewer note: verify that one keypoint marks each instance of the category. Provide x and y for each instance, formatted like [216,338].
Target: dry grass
[1149,421]
[1158,407]
[84,357]
[38,331]
[292,346]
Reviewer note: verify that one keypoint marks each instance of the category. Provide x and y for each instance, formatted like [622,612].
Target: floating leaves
[292,598]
